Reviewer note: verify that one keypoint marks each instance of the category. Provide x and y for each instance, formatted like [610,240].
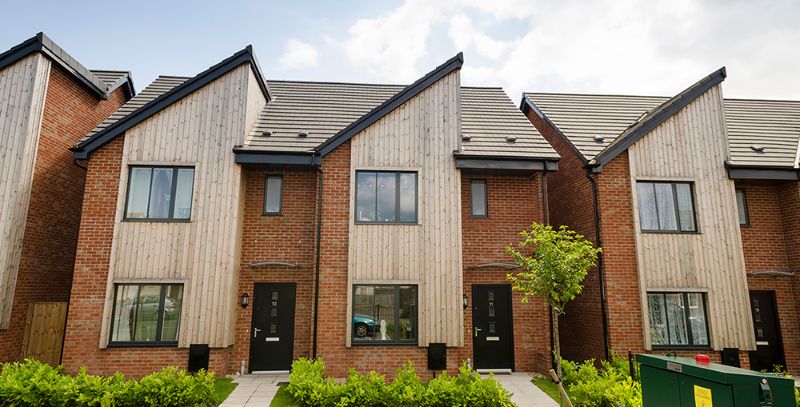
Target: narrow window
[678,320]
[478,199]
[741,206]
[159,193]
[666,207]
[273,195]
[384,314]
[386,197]
[146,314]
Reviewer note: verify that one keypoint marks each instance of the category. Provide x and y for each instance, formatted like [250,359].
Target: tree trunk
[557,351]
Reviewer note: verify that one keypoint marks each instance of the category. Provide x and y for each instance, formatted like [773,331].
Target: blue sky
[603,46]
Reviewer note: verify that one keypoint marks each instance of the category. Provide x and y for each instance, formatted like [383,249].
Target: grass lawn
[223,386]
[547,386]
[283,399]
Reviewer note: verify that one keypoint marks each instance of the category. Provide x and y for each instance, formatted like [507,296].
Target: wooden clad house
[48,101]
[694,201]
[270,220]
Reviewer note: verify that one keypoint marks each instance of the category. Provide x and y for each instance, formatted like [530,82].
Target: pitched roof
[115,79]
[42,43]
[159,95]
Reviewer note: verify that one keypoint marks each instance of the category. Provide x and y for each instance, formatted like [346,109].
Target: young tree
[554,264]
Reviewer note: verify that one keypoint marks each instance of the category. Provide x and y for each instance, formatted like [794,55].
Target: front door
[492,333]
[769,349]
[272,329]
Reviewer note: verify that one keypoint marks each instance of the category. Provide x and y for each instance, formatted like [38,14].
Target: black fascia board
[42,43]
[658,116]
[763,173]
[390,105]
[99,139]
[127,82]
[243,156]
[503,163]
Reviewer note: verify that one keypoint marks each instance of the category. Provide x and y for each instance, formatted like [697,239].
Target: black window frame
[265,212]
[485,198]
[159,322]
[675,204]
[746,223]
[355,341]
[397,220]
[173,191]
[688,322]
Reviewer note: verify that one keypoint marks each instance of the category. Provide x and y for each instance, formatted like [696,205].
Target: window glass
[666,207]
[172,313]
[385,314]
[478,198]
[365,190]
[386,197]
[272,200]
[669,314]
[741,206]
[408,197]
[183,193]
[685,207]
[138,193]
[387,193]
[146,313]
[160,193]
[648,216]
[676,319]
[658,320]
[697,319]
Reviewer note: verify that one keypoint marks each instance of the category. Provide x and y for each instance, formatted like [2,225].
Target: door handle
[476,329]
[255,332]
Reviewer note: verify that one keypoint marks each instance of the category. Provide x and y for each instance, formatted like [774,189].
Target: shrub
[308,385]
[33,383]
[609,386]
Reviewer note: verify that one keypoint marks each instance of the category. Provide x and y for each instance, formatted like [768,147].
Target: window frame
[355,341]
[159,321]
[686,313]
[397,220]
[173,191]
[472,182]
[264,210]
[674,188]
[746,223]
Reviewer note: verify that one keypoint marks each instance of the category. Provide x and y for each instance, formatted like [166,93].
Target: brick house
[694,199]
[271,220]
[48,101]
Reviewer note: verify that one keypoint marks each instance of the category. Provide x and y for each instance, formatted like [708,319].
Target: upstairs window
[741,206]
[273,195]
[146,314]
[478,199]
[677,320]
[386,197]
[666,207]
[159,193]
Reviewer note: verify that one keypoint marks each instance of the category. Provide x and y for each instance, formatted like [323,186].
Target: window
[273,195]
[159,193]
[386,197]
[666,207]
[478,199]
[677,319]
[741,206]
[385,314]
[146,314]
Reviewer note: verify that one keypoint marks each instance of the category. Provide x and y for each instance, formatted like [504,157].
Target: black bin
[437,356]
[198,357]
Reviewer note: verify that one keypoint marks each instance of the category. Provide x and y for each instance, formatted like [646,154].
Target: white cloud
[465,36]
[298,54]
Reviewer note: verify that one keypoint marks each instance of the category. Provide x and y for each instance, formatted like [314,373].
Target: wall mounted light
[245,300]
[466,301]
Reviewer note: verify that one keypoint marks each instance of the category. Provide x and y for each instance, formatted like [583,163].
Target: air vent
[599,139]
[757,148]
[302,134]
[466,137]
[266,133]
[511,139]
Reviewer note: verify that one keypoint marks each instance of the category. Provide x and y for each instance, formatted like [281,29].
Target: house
[48,101]
[271,220]
[695,201]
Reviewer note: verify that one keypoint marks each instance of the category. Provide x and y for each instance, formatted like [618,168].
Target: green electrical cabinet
[675,381]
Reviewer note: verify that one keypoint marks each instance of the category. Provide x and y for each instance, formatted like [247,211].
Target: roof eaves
[527,104]
[87,147]
[655,118]
[389,105]
[755,172]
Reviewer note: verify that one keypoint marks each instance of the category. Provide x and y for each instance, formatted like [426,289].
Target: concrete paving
[259,389]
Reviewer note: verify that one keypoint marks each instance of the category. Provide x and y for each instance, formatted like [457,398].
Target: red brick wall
[51,231]
[763,241]
[289,237]
[570,202]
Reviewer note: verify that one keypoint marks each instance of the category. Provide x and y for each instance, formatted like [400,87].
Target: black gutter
[244,156]
[316,277]
[546,216]
[505,163]
[600,265]
[763,173]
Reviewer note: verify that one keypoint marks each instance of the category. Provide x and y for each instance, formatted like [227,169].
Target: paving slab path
[525,393]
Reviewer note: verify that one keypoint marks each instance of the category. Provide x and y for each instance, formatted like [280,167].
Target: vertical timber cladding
[420,135]
[23,87]
[693,146]
[199,130]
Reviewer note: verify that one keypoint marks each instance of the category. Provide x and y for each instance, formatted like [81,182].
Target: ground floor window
[146,314]
[677,319]
[384,314]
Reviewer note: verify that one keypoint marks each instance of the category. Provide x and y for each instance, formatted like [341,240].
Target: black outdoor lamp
[245,300]
[466,301]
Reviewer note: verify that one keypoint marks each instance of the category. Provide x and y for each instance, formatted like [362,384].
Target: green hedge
[309,387]
[37,384]
[609,386]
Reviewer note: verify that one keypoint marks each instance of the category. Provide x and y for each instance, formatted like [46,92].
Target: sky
[602,46]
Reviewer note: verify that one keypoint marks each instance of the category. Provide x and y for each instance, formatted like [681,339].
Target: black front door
[272,329]
[769,349]
[492,334]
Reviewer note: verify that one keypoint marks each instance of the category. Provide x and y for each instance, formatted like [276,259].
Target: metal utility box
[676,381]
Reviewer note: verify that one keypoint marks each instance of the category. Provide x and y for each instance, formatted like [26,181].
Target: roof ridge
[594,94]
